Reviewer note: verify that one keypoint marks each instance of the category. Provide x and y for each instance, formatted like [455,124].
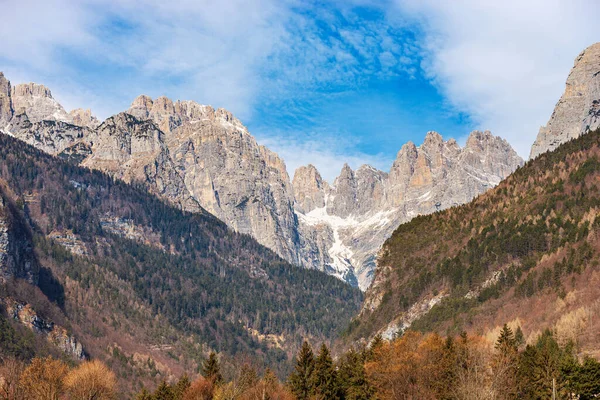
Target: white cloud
[503,63]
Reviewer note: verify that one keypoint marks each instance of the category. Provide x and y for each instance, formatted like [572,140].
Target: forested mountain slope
[148,287]
[526,251]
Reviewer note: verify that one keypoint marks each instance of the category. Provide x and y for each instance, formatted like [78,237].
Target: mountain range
[197,158]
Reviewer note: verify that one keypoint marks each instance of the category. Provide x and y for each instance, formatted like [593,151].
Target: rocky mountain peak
[432,140]
[31,89]
[309,188]
[141,106]
[38,103]
[82,117]
[578,110]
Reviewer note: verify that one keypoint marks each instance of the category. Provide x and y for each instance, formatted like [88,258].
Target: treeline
[417,366]
[413,366]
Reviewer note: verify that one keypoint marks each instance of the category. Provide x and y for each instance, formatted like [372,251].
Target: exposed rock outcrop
[578,110]
[81,117]
[55,334]
[37,102]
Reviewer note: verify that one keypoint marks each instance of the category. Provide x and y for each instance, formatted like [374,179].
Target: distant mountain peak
[578,110]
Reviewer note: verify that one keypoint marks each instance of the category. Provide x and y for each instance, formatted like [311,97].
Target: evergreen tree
[519,337]
[352,377]
[506,341]
[325,376]
[376,343]
[164,391]
[540,368]
[211,369]
[181,386]
[585,382]
[505,364]
[301,380]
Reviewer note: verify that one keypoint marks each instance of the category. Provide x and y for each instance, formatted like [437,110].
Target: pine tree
[506,341]
[352,377]
[519,337]
[301,380]
[376,343]
[181,386]
[164,391]
[505,364]
[540,367]
[211,369]
[325,376]
[585,381]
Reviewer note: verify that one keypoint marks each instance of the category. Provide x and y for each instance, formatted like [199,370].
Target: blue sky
[318,82]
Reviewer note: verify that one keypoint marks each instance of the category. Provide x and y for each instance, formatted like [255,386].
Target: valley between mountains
[166,234]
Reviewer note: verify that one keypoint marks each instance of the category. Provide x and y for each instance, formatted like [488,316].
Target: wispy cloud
[503,63]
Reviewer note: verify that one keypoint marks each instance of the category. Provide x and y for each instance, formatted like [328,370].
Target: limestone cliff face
[81,117]
[37,102]
[310,189]
[363,207]
[135,150]
[578,110]
[48,135]
[231,176]
[201,158]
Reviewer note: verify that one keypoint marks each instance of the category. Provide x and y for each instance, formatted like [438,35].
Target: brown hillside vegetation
[526,251]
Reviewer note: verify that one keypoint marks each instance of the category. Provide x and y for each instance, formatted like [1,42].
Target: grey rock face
[135,150]
[48,135]
[37,102]
[310,189]
[578,110]
[55,334]
[242,183]
[81,117]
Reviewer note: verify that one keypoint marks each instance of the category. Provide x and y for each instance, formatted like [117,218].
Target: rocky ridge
[200,158]
[578,110]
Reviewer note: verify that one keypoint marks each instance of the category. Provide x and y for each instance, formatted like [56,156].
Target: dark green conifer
[164,391]
[211,369]
[181,386]
[301,380]
[325,376]
[352,377]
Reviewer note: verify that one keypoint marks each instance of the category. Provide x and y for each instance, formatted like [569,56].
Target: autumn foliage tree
[91,380]
[43,379]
